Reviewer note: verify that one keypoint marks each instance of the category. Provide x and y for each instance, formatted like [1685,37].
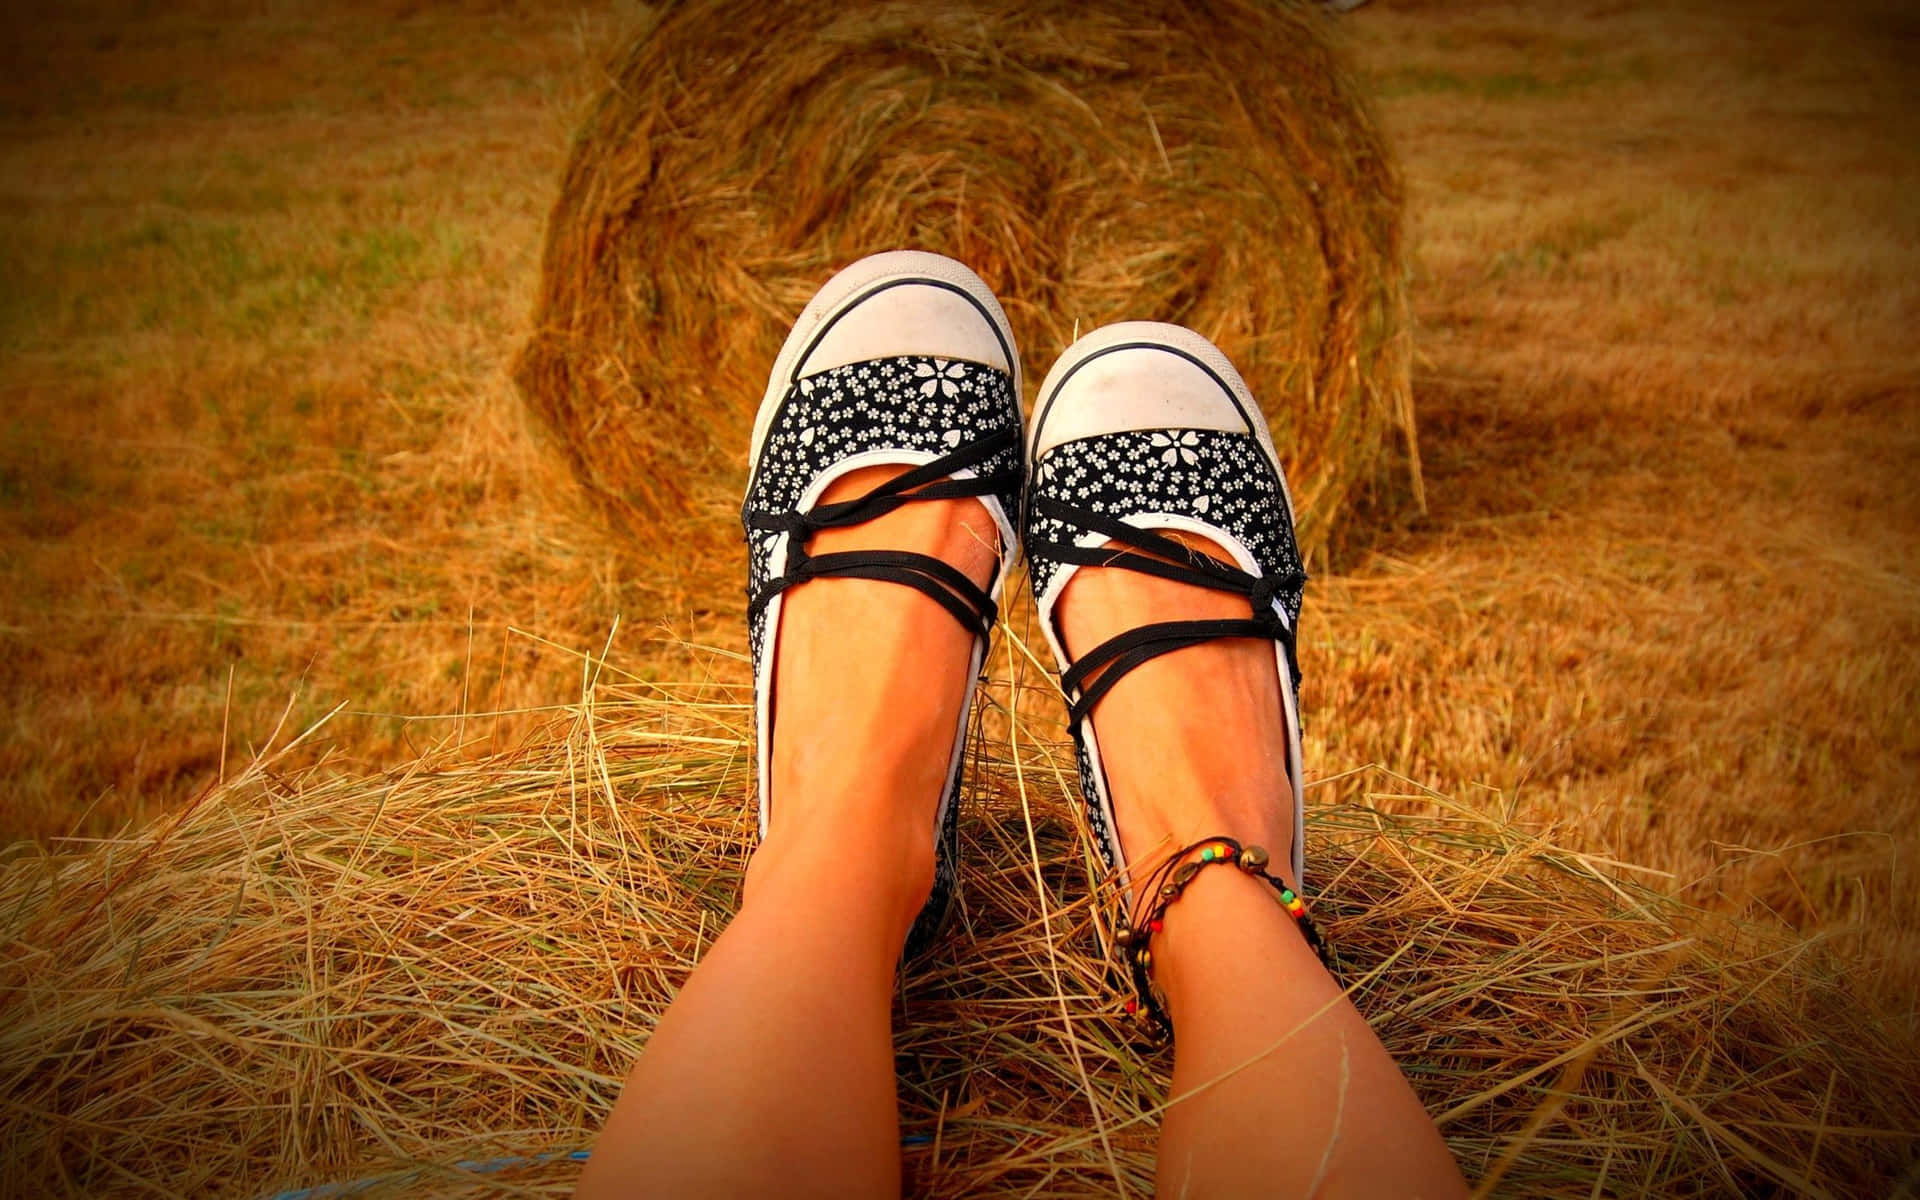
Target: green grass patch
[262,279]
[1511,85]
[1553,252]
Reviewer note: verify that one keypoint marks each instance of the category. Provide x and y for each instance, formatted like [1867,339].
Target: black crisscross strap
[1088,681]
[970,604]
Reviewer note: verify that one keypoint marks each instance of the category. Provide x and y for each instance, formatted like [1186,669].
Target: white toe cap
[899,302]
[908,318]
[1140,375]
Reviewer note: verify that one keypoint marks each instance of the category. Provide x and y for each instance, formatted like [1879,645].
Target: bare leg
[772,1073]
[1194,746]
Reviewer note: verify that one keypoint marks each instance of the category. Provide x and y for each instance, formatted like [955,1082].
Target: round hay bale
[1210,163]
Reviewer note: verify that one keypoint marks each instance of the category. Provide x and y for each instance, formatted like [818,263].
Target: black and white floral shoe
[1139,430]
[903,358]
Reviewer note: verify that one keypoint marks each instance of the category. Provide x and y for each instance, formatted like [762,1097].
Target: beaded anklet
[1164,886]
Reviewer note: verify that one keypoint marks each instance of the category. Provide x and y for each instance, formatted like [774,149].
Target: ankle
[1226,932]
[848,864]
[886,731]
[1158,821]
[1195,742]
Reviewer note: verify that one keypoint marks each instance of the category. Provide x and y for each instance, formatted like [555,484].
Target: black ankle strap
[1155,554]
[944,583]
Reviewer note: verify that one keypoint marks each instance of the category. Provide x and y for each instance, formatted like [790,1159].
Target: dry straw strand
[328,977]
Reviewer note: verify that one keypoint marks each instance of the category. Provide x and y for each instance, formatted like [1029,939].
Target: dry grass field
[266,268]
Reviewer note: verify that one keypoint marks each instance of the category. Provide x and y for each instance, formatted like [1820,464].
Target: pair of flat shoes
[1140,430]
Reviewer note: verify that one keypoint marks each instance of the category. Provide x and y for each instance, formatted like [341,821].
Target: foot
[869,679]
[1194,742]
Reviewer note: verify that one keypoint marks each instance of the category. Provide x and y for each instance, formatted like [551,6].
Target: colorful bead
[1148,1005]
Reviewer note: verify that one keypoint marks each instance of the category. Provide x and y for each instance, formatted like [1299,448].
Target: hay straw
[1209,163]
[332,977]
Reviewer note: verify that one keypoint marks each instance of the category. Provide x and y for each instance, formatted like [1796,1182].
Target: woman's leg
[1194,746]
[772,1073]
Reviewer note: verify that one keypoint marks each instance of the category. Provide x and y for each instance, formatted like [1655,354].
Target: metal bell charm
[1253,859]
